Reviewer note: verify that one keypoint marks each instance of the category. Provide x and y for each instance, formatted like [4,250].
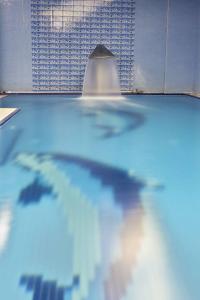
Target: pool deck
[7,113]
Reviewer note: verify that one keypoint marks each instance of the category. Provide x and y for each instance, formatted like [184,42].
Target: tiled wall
[181,46]
[15,46]
[197,65]
[65,32]
[150,46]
[44,44]
[165,45]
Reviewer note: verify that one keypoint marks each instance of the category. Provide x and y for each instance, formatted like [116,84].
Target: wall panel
[150,46]
[181,46]
[15,46]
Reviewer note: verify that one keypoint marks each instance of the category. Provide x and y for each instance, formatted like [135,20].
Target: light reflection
[143,269]
[110,101]
[102,98]
[139,74]
[131,237]
[152,275]
[6,2]
[5,224]
[62,19]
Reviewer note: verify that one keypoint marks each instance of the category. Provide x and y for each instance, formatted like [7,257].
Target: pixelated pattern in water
[46,289]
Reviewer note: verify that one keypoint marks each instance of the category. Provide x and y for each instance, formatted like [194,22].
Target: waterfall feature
[101,75]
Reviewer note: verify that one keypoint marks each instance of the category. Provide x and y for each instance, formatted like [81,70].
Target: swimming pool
[100,201]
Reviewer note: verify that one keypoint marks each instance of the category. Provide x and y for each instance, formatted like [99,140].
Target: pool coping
[196,96]
[3,96]
[9,112]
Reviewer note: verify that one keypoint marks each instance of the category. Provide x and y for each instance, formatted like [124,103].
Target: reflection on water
[5,224]
[153,276]
[8,138]
[131,236]
[113,121]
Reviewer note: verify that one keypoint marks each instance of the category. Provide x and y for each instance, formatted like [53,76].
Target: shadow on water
[116,121]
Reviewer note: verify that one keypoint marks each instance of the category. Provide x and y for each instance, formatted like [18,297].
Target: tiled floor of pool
[100,201]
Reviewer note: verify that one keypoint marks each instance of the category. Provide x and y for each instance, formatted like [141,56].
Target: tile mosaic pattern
[64,32]
[46,290]
[33,192]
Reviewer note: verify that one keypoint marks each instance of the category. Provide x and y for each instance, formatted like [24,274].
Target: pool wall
[197,75]
[157,43]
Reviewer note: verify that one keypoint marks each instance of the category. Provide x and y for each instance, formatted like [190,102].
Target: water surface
[100,200]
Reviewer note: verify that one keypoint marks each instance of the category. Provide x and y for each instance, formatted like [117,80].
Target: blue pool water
[100,201]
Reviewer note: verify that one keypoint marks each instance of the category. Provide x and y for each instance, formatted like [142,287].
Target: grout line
[166,45]
[196,55]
